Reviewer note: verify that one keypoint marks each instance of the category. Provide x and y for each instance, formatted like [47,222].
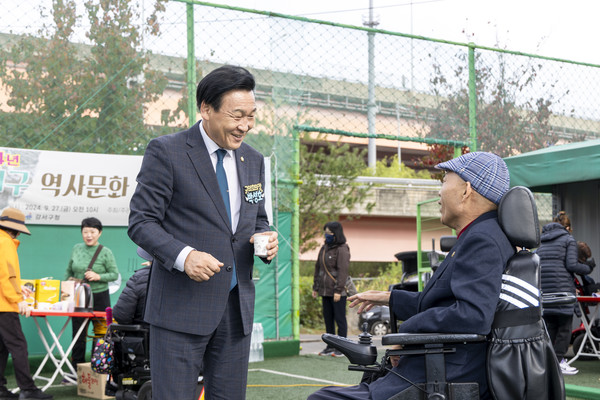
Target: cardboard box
[67,291]
[30,283]
[89,383]
[46,291]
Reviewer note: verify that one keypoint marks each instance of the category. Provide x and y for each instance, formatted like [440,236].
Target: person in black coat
[130,306]
[331,272]
[558,259]
[132,301]
[584,284]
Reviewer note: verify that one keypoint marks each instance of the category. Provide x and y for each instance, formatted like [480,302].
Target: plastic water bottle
[256,343]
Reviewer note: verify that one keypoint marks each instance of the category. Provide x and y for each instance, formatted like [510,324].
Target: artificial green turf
[268,386]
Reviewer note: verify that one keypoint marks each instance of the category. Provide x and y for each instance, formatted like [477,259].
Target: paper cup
[260,245]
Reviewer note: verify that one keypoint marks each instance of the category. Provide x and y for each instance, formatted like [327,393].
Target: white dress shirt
[235,192]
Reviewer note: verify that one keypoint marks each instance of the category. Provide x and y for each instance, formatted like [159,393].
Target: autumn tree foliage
[68,96]
[513,116]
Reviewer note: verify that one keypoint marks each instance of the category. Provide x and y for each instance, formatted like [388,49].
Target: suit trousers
[101,301]
[178,359]
[12,340]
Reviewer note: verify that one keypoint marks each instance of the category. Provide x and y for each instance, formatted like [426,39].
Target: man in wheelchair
[462,295]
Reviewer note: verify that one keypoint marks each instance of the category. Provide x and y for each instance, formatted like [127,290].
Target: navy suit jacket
[460,297]
[177,203]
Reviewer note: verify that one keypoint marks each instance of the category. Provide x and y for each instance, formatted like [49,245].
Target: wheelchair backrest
[131,346]
[521,360]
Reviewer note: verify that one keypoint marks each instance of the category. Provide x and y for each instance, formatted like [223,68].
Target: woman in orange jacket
[12,303]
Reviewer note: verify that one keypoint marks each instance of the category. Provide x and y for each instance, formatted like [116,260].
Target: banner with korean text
[62,188]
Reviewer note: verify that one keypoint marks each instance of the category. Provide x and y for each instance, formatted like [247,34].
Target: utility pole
[371,105]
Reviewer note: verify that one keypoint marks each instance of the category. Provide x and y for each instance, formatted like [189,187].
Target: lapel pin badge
[242,159]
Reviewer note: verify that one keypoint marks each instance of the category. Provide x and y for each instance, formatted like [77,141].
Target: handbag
[349,286]
[103,354]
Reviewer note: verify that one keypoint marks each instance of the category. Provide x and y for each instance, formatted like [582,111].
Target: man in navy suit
[198,204]
[462,294]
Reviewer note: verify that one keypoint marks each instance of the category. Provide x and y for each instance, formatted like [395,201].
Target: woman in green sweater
[104,270]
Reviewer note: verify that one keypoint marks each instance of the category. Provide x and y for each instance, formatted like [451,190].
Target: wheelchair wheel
[587,348]
[145,392]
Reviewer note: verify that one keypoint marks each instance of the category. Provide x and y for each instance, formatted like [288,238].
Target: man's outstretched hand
[367,300]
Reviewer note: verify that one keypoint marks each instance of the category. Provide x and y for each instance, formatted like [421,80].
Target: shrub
[311,314]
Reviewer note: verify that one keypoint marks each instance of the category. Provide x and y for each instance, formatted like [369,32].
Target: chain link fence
[108,76]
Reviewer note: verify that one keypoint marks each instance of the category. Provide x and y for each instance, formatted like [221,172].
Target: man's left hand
[272,246]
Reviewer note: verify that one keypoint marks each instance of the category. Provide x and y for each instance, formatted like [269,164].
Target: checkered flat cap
[487,173]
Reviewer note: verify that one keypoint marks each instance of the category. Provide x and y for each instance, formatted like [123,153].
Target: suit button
[229,268]
[233,240]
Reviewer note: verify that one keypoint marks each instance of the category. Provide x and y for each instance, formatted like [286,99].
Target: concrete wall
[391,226]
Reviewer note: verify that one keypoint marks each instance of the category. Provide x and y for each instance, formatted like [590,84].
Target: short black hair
[337,230]
[224,79]
[91,222]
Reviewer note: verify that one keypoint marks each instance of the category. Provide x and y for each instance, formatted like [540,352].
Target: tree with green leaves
[328,187]
[511,117]
[391,167]
[327,170]
[71,97]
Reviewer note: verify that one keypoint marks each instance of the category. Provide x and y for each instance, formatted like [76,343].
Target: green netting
[274,287]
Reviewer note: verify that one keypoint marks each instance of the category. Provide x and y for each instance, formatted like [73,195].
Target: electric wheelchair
[130,373]
[520,359]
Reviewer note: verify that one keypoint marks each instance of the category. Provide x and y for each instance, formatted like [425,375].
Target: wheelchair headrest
[518,217]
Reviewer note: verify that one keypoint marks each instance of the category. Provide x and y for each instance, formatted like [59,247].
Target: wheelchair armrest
[127,328]
[357,353]
[430,338]
[558,299]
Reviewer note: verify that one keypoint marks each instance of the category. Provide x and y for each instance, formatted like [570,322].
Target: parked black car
[377,319]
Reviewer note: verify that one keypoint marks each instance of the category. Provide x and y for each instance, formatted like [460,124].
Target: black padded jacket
[558,260]
[130,306]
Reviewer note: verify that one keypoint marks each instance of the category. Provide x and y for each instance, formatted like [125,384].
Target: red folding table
[63,355]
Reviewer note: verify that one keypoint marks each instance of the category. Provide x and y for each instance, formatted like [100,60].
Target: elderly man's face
[451,196]
[228,126]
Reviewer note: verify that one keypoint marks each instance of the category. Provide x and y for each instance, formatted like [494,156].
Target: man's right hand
[201,266]
[367,300]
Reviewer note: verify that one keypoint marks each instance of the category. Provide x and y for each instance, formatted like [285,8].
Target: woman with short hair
[104,270]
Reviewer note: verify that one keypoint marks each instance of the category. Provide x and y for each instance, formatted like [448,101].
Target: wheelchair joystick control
[365,337]
[359,353]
